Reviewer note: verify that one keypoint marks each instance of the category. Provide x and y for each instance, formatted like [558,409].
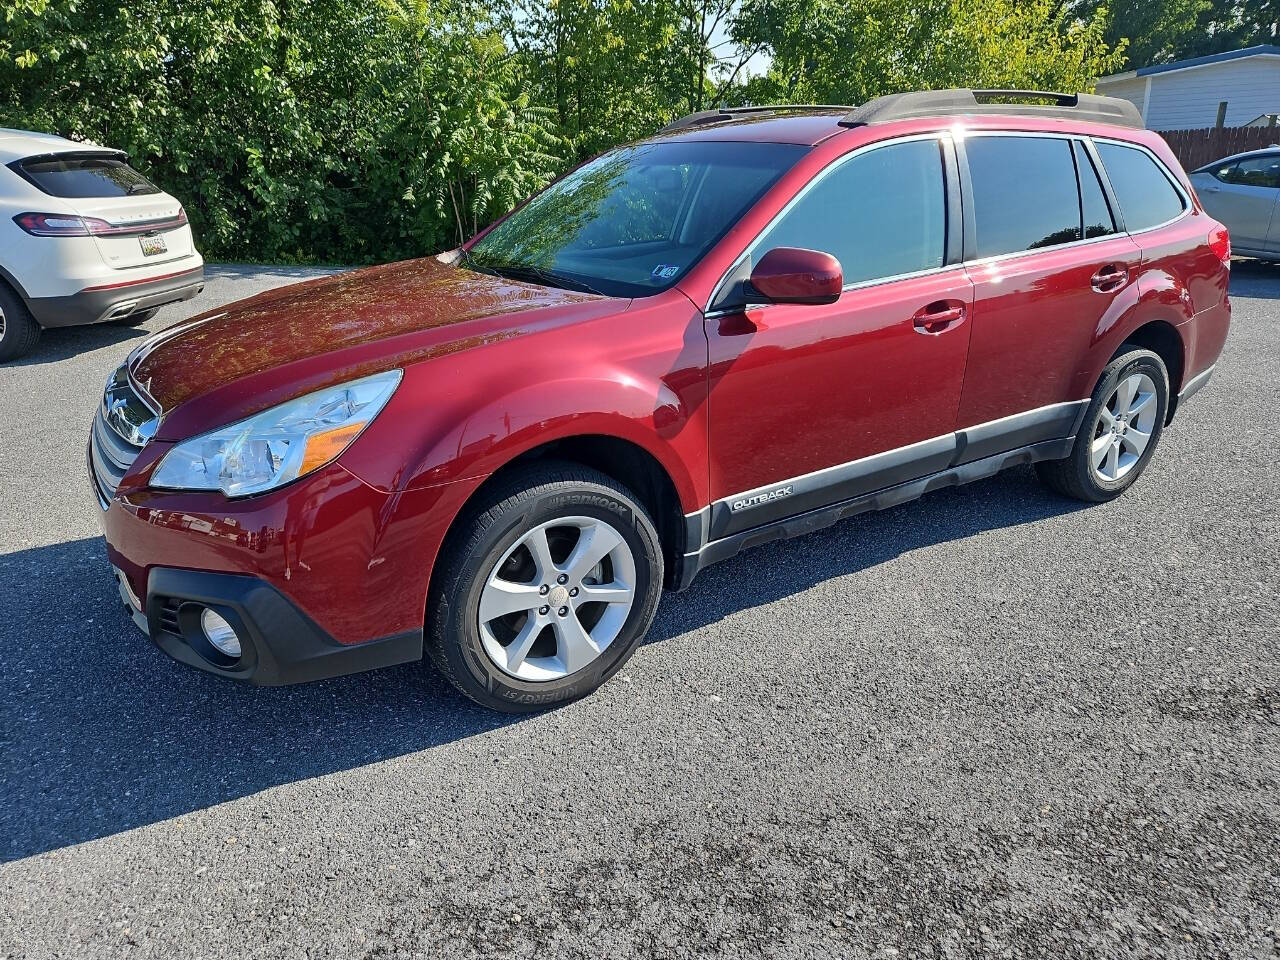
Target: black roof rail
[721,114]
[946,103]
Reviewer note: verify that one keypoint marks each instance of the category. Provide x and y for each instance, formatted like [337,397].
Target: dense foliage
[1160,31]
[363,130]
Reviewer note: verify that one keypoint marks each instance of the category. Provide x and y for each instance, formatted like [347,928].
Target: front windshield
[632,222]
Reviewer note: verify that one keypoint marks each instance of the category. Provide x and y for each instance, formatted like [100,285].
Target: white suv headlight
[279,444]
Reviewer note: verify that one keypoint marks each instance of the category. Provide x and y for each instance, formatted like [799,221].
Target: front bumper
[114,302]
[279,643]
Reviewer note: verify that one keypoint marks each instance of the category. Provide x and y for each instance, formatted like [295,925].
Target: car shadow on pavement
[102,733]
[1258,279]
[60,343]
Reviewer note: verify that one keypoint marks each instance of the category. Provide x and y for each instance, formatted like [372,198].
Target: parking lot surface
[993,722]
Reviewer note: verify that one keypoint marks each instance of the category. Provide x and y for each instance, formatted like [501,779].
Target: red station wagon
[749,326]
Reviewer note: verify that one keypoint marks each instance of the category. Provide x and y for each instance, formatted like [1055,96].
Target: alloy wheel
[1124,428]
[557,598]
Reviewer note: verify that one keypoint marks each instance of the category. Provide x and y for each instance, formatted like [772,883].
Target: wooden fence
[1196,148]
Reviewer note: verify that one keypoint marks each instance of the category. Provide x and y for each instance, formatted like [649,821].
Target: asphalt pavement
[989,723]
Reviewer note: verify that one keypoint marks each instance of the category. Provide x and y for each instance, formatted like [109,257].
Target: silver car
[1242,192]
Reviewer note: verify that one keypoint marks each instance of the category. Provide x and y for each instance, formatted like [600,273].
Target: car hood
[233,361]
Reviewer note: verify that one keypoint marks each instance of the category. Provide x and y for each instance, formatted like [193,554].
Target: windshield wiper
[527,271]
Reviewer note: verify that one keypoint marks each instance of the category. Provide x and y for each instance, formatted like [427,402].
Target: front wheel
[545,589]
[1121,428]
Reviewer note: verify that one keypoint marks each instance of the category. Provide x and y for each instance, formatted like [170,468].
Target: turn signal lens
[323,447]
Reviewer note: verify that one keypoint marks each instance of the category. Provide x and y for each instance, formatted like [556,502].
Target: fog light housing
[220,634]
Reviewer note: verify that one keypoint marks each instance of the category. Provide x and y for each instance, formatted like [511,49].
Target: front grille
[124,422]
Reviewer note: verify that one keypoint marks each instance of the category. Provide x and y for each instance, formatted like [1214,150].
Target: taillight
[1220,244]
[70,225]
[56,224]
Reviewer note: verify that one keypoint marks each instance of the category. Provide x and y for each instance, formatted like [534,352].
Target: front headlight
[277,445]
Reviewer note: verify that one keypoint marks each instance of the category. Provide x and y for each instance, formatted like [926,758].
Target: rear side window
[881,214]
[1142,189]
[1024,193]
[1095,215]
[86,176]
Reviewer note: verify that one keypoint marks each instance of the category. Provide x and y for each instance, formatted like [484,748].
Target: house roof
[1261,50]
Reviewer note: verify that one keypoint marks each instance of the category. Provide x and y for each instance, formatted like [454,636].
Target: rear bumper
[115,301]
[279,643]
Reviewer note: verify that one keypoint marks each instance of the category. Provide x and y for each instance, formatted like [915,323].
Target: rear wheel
[545,589]
[18,329]
[1120,430]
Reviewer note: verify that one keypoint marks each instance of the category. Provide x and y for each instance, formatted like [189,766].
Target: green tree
[332,130]
[848,51]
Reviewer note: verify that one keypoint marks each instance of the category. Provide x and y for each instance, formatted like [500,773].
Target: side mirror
[796,275]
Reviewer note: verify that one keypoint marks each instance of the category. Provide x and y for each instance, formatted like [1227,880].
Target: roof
[1261,50]
[810,124]
[16,144]
[807,128]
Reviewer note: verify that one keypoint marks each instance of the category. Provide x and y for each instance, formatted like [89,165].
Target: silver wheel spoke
[501,597]
[1125,392]
[536,541]
[1141,403]
[1136,440]
[1112,468]
[1101,447]
[519,648]
[616,592]
[574,645]
[595,543]
[1108,418]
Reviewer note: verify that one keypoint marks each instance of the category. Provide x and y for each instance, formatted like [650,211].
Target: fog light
[220,633]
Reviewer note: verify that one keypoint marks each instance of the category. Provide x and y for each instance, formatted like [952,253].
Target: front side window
[74,176]
[1024,193]
[1146,197]
[1261,171]
[632,222]
[882,213]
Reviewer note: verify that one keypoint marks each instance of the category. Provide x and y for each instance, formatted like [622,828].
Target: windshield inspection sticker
[665,271]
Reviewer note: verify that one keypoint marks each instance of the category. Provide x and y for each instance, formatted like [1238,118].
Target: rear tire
[1119,433]
[544,589]
[19,331]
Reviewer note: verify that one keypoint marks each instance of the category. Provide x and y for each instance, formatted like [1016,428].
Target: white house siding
[1188,99]
[1131,89]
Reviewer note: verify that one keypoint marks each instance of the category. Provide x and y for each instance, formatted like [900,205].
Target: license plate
[152,245]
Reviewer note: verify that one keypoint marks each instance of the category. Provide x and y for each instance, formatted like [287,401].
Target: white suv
[84,238]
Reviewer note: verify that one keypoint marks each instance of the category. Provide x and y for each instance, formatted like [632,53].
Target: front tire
[1118,436]
[19,331]
[544,589]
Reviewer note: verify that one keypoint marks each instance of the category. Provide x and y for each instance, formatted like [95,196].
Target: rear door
[144,224]
[810,405]
[1048,265]
[1242,194]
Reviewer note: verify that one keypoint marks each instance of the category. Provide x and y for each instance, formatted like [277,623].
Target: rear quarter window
[85,176]
[1146,196]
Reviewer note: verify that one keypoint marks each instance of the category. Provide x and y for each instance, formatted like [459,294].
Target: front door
[811,405]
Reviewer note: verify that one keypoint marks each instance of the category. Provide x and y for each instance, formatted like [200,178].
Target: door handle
[938,316]
[1109,278]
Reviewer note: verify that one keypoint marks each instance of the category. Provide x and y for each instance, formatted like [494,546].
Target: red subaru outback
[747,327]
